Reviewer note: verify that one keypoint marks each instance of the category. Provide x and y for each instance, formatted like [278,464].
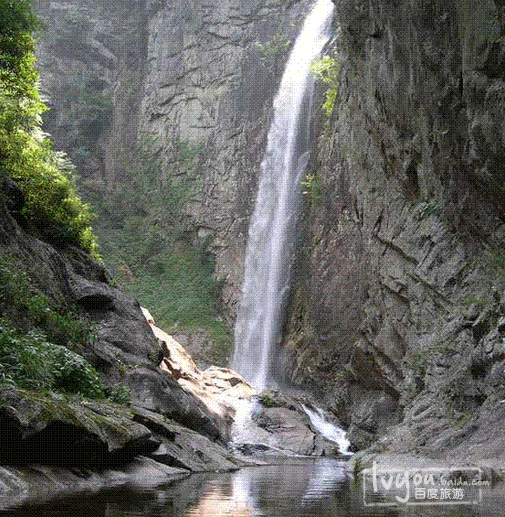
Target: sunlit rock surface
[222,390]
[256,422]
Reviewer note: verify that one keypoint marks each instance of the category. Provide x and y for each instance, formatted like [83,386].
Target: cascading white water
[327,429]
[271,232]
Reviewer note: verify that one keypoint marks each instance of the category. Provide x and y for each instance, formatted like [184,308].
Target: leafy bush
[20,359]
[119,394]
[30,361]
[429,208]
[327,70]
[271,52]
[26,154]
[29,309]
[72,373]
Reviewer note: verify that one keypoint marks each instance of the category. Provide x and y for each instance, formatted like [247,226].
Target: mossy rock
[53,429]
[274,398]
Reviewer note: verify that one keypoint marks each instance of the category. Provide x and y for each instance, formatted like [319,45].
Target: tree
[26,154]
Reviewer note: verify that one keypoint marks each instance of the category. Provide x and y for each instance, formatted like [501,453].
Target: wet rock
[288,429]
[39,483]
[124,349]
[397,297]
[76,439]
[274,398]
[92,296]
[260,449]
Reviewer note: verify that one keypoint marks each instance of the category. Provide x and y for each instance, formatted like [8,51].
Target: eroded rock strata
[162,421]
[397,318]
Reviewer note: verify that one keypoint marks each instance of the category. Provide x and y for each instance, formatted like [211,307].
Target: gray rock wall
[395,315]
[91,57]
[211,77]
[175,75]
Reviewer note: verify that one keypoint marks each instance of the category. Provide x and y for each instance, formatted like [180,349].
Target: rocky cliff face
[178,78]
[66,430]
[397,316]
[92,56]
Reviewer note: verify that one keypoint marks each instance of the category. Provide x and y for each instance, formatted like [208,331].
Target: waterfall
[327,429]
[271,232]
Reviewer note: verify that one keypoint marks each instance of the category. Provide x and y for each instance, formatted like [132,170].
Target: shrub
[119,394]
[313,187]
[26,154]
[30,361]
[273,51]
[72,373]
[327,70]
[29,309]
[21,360]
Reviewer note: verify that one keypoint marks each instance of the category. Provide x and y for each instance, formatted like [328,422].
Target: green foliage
[494,266]
[271,52]
[96,111]
[154,253]
[29,309]
[39,338]
[419,363]
[313,187]
[26,154]
[164,189]
[268,400]
[429,208]
[119,394]
[40,342]
[72,373]
[327,70]
[17,22]
[30,361]
[357,466]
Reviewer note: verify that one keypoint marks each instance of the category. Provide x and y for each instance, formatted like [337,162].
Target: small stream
[296,488]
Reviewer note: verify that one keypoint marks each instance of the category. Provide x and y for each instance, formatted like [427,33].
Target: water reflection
[287,489]
[302,488]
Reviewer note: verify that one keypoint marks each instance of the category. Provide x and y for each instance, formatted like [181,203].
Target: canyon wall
[397,315]
[178,77]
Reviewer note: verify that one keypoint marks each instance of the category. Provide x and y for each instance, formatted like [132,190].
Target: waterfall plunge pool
[296,488]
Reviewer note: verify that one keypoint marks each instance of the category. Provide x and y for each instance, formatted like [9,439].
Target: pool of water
[298,488]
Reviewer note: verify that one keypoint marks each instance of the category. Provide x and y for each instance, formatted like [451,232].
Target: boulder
[184,448]
[158,392]
[288,429]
